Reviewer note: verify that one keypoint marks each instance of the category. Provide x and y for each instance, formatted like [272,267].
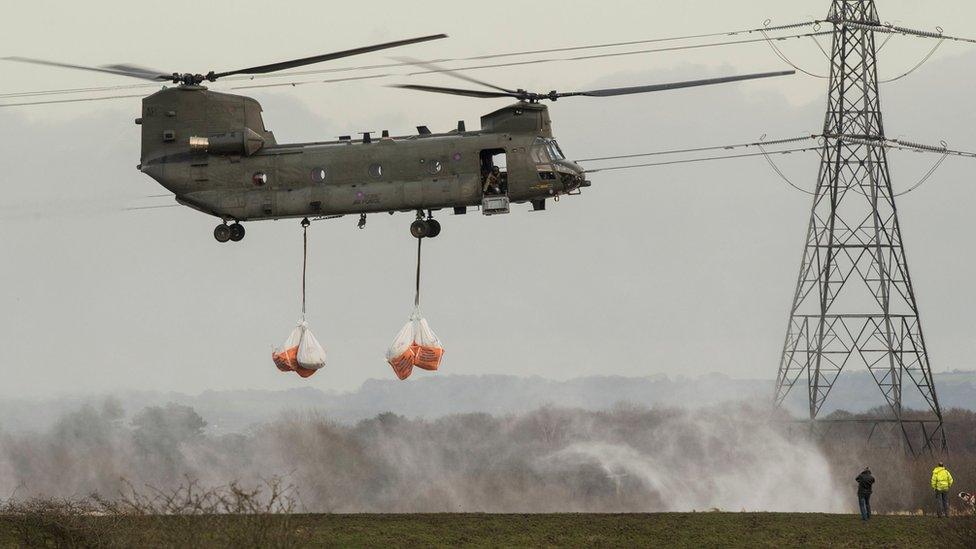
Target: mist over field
[625,459]
[430,397]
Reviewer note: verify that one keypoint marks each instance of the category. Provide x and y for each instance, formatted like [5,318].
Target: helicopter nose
[573,176]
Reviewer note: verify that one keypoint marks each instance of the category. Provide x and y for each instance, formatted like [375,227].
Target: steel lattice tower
[854,304]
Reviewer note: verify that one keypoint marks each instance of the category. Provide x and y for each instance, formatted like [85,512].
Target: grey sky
[671,270]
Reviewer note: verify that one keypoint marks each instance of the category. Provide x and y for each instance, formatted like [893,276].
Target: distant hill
[439,395]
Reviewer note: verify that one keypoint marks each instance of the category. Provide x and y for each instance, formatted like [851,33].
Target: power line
[779,53]
[779,172]
[293,84]
[917,65]
[704,159]
[442,60]
[77,90]
[620,54]
[80,100]
[69,100]
[925,177]
[703,149]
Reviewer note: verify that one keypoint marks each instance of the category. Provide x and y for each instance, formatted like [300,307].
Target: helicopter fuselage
[212,151]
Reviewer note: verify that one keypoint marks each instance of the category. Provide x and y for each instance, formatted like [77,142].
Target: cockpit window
[555,151]
[547,150]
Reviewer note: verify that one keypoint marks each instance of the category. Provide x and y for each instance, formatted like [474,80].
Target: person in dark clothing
[864,483]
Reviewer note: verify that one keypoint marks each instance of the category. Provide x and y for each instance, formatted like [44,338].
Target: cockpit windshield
[551,149]
[554,150]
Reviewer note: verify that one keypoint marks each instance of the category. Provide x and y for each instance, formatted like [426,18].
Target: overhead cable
[767,156]
[79,100]
[779,53]
[925,177]
[77,90]
[703,149]
[544,51]
[917,65]
[704,159]
[137,208]
[622,54]
[638,42]
[512,64]
[70,100]
[442,60]
[293,84]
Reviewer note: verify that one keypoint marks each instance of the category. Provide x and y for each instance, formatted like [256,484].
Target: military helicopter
[213,152]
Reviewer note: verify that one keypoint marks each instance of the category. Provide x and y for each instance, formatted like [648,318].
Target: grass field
[590,530]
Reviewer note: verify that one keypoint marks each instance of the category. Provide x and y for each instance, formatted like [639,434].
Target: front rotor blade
[457,91]
[123,70]
[326,57]
[450,72]
[610,92]
[137,71]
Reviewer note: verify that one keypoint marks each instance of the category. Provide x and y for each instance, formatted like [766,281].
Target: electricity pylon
[854,304]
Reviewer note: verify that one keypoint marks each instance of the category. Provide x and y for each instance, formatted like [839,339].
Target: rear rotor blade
[610,92]
[262,69]
[435,68]
[123,70]
[481,94]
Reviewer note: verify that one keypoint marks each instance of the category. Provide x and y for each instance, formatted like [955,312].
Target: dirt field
[664,529]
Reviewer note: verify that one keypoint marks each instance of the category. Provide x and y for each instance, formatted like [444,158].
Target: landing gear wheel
[434,227]
[419,228]
[237,232]
[222,233]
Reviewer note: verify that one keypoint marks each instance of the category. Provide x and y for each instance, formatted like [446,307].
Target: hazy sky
[677,270]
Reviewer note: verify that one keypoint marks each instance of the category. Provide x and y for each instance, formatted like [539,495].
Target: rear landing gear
[425,228]
[419,228]
[435,228]
[224,232]
[237,232]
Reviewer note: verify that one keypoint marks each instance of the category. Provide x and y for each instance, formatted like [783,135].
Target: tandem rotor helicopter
[213,152]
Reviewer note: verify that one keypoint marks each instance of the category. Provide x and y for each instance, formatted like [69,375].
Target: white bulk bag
[415,345]
[311,355]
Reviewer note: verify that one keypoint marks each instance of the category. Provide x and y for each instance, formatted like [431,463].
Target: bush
[188,515]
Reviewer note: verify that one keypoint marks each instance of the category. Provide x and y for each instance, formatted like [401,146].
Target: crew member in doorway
[941,482]
[864,483]
[493,182]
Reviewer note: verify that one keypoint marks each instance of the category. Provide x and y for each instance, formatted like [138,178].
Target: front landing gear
[425,228]
[224,232]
